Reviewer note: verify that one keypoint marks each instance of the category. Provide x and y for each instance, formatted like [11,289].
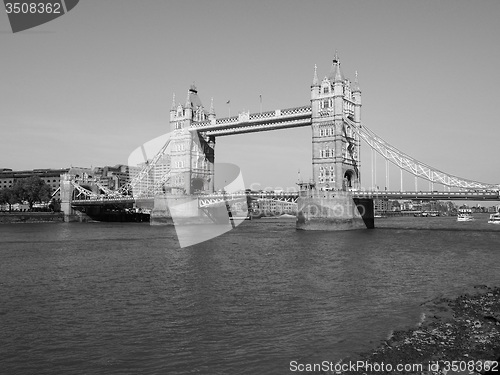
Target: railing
[259,127]
[254,118]
[296,111]
[103,199]
[262,116]
[434,195]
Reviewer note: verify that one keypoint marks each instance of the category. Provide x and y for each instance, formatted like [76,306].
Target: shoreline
[31,217]
[462,329]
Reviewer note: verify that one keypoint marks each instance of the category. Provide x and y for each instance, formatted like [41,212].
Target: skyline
[88,88]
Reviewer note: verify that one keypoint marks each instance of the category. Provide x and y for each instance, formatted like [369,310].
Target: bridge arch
[197,185]
[349,178]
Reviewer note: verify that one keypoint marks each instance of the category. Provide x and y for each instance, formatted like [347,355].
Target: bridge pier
[70,214]
[333,211]
[160,214]
[184,208]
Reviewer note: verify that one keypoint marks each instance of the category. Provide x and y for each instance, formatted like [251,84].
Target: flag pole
[260,96]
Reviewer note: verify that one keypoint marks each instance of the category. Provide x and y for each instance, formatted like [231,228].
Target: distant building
[493,209]
[51,177]
[113,177]
[380,205]
[100,179]
[271,207]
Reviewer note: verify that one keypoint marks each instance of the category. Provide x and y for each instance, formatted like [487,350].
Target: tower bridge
[184,165]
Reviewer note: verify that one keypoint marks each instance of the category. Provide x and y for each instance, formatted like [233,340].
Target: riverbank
[465,329]
[31,217]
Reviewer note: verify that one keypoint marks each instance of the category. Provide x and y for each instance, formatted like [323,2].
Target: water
[123,298]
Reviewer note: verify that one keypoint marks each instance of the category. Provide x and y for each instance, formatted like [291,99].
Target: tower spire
[336,58]
[188,100]
[335,73]
[212,111]
[315,79]
[338,74]
[355,86]
[173,101]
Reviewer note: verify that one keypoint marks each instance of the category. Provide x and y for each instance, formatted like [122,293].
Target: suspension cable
[412,165]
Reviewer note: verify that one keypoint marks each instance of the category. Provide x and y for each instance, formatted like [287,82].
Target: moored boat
[465,214]
[495,218]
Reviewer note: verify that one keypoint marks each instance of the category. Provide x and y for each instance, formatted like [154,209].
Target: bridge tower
[192,154]
[336,145]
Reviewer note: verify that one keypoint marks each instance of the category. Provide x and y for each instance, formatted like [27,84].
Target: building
[381,205]
[113,177]
[51,177]
[271,207]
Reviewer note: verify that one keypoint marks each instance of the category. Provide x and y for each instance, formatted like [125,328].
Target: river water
[123,298]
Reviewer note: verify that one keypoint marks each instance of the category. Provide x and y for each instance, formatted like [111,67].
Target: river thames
[124,298]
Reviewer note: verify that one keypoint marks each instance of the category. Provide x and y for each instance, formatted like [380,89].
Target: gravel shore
[465,329]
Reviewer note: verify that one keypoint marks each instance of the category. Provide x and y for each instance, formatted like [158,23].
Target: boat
[465,214]
[495,218]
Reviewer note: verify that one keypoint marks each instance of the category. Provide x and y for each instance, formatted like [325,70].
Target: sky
[89,87]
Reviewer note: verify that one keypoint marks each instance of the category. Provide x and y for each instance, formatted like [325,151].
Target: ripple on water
[125,299]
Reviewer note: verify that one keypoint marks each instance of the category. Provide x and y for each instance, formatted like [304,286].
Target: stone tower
[191,154]
[336,145]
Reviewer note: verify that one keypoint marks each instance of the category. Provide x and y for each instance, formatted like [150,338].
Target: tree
[7,196]
[32,189]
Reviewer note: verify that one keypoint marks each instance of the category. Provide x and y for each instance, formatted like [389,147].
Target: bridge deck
[256,122]
[433,195]
[213,198]
[109,201]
